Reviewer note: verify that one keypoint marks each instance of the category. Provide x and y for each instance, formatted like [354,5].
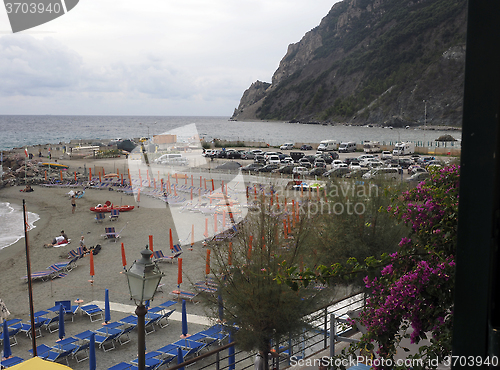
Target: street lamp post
[143,278]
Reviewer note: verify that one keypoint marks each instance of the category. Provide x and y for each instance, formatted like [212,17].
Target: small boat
[106,208]
[54,165]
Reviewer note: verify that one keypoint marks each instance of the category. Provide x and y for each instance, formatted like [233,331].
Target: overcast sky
[149,57]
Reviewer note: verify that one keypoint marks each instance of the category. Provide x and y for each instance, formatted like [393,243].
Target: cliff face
[370,61]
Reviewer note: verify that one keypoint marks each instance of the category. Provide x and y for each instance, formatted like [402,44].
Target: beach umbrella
[124,259]
[92,273]
[179,272]
[230,357]
[92,361]
[6,342]
[171,240]
[62,332]
[207,263]
[107,311]
[180,359]
[151,243]
[184,320]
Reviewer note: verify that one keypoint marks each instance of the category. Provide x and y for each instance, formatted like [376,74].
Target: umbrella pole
[30,287]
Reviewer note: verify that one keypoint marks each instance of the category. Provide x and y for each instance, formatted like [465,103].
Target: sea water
[22,131]
[12,224]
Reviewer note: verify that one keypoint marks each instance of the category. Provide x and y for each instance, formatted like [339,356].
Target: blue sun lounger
[92,311]
[11,361]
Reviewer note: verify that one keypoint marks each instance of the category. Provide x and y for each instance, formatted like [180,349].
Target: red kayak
[105,208]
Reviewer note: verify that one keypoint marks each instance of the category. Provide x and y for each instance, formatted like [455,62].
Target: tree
[414,286]
[246,266]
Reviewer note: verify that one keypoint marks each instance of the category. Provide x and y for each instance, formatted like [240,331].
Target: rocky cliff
[370,61]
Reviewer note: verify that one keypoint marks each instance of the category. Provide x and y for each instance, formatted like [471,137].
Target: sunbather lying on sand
[58,240]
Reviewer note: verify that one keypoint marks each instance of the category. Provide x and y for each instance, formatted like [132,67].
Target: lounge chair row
[53,271]
[191,346]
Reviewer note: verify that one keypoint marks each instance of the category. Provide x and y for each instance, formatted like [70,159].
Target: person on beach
[84,247]
[73,204]
[56,241]
[63,234]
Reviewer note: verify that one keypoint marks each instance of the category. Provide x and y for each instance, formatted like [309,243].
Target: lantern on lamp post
[143,278]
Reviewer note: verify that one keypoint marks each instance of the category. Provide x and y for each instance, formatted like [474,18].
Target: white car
[208,153]
[337,163]
[300,170]
[386,155]
[273,159]
[382,173]
[287,160]
[286,146]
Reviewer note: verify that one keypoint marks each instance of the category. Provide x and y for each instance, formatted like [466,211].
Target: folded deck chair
[114,215]
[203,287]
[92,311]
[99,217]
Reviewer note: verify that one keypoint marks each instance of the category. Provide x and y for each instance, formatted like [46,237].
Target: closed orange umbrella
[92,273]
[179,272]
[171,240]
[151,243]
[124,259]
[207,263]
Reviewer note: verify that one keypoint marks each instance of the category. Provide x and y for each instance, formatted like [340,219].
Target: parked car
[387,173]
[268,167]
[334,155]
[233,154]
[208,153]
[317,171]
[337,172]
[300,170]
[287,160]
[320,162]
[306,147]
[286,146]
[229,166]
[252,167]
[248,155]
[259,159]
[386,155]
[286,169]
[418,177]
[337,163]
[357,174]
[273,159]
[304,162]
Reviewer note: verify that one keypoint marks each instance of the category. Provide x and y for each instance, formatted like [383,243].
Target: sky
[149,57]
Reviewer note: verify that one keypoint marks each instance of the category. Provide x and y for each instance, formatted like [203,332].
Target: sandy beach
[53,205]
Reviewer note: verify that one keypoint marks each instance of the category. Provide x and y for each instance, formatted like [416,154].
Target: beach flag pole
[25,165]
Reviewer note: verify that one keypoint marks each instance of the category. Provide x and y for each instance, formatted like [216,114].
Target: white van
[387,173]
[403,148]
[347,147]
[172,159]
[328,145]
